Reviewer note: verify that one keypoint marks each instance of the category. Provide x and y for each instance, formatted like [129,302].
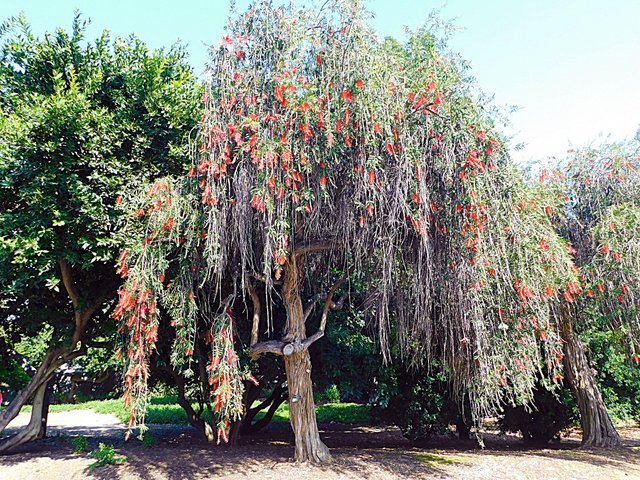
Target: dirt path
[360,452]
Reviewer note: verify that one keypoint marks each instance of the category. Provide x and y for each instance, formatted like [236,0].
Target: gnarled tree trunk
[33,430]
[597,427]
[54,359]
[309,446]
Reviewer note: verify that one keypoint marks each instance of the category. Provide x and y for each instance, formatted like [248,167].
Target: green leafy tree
[81,124]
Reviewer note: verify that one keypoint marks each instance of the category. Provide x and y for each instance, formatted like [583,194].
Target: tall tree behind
[602,221]
[82,123]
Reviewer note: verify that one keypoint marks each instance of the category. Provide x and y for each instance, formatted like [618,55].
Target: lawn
[166,410]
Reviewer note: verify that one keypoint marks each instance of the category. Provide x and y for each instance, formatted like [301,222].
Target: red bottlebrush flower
[323,181]
[307,132]
[161,277]
[190,296]
[358,84]
[431,86]
[371,177]
[503,382]
[568,297]
[548,290]
[168,225]
[489,152]
[389,148]
[481,136]
[438,99]
[548,210]
[376,129]
[318,60]
[118,199]
[491,271]
[361,221]
[347,140]
[605,249]
[543,245]
[370,210]
[636,359]
[543,335]
[347,116]
[347,96]
[415,197]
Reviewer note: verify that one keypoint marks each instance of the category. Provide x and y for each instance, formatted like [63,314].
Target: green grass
[434,460]
[166,410]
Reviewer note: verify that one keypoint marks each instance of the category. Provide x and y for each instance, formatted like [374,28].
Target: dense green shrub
[551,412]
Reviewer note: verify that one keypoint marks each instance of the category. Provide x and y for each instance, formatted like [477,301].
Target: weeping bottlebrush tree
[328,154]
[602,221]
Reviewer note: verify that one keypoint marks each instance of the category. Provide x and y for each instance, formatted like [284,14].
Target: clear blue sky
[571,66]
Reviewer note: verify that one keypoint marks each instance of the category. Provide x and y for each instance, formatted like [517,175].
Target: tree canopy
[325,150]
[81,123]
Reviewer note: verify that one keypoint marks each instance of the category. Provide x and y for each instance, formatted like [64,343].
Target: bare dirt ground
[360,452]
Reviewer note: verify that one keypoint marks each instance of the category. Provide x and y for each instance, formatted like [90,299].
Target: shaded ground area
[360,452]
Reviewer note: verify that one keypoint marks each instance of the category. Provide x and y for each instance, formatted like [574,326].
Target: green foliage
[420,405]
[347,358]
[82,123]
[331,394]
[105,455]
[550,412]
[12,377]
[80,444]
[617,375]
[148,440]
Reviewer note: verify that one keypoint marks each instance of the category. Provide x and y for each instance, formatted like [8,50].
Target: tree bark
[196,421]
[52,361]
[33,429]
[44,416]
[597,427]
[42,376]
[309,446]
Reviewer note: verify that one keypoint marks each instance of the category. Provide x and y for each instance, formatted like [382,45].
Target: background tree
[327,156]
[603,223]
[81,124]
